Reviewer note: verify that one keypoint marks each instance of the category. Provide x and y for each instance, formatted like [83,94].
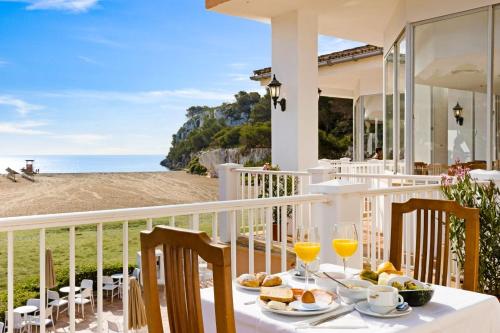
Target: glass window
[496,85]
[373,129]
[450,57]
[401,92]
[388,89]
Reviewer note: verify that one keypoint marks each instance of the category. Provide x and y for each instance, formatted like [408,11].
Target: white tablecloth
[450,310]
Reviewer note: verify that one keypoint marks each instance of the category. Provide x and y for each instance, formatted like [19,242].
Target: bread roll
[261,276]
[272,281]
[248,280]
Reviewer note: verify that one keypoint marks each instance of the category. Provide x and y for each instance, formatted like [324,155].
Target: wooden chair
[435,242]
[182,286]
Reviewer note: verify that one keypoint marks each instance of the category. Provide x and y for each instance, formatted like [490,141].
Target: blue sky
[115,76]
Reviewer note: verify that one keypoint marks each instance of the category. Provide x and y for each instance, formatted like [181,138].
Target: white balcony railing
[228,220]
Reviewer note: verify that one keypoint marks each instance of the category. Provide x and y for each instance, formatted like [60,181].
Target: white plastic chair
[19,323]
[88,284]
[113,327]
[137,274]
[56,301]
[84,298]
[49,320]
[2,326]
[109,285]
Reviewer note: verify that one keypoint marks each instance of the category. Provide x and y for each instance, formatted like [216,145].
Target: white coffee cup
[383,299]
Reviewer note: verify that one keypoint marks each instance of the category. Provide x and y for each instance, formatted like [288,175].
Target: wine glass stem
[307,275]
[344,261]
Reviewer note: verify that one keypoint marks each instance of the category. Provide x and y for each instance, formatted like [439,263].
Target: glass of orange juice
[345,241]
[307,247]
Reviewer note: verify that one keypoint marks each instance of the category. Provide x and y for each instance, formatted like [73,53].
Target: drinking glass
[345,241]
[307,247]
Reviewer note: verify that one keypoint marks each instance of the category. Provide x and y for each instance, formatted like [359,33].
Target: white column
[343,207]
[228,190]
[295,64]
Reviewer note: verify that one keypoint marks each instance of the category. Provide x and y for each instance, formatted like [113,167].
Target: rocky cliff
[211,158]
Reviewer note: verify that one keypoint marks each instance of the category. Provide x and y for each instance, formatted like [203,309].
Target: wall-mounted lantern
[458,113]
[275,89]
[319,93]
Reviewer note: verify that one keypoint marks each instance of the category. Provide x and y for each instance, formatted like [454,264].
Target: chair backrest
[432,241]
[136,273]
[107,280]
[2,326]
[18,320]
[33,302]
[182,285]
[87,292]
[113,327]
[52,295]
[86,283]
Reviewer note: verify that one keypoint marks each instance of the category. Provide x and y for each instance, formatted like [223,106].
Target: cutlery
[400,308]
[332,317]
[249,302]
[331,278]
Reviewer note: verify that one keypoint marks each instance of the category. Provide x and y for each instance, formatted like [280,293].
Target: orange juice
[345,247]
[307,251]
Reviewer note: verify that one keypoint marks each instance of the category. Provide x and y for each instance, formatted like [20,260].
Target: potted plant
[468,193]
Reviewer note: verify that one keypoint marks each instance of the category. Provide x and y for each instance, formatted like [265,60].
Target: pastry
[276,305]
[272,281]
[261,276]
[248,280]
[283,295]
[307,297]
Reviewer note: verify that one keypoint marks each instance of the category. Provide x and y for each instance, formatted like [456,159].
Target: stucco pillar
[295,64]
[228,190]
[343,207]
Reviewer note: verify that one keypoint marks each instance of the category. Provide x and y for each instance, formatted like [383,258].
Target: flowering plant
[459,186]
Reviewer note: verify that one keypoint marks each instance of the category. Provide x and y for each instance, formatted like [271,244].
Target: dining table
[26,310]
[450,310]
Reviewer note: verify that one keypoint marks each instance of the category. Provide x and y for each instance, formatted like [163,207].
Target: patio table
[24,311]
[66,290]
[450,310]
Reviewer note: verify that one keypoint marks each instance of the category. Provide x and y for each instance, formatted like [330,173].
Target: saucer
[363,308]
[299,306]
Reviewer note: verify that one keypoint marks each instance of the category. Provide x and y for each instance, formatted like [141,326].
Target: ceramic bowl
[356,294]
[326,283]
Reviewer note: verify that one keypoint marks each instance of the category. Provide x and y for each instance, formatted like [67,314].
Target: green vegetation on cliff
[246,124]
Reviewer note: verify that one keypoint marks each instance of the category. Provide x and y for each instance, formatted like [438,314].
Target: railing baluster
[251,263]
[10,280]
[43,293]
[125,277]
[269,237]
[284,210]
[233,228]
[172,221]
[149,224]
[196,221]
[99,274]
[71,297]
[215,227]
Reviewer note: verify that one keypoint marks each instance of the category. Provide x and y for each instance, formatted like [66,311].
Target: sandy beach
[58,193]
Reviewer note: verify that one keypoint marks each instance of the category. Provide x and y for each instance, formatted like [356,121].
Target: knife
[334,316]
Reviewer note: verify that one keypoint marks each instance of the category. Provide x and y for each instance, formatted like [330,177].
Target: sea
[85,163]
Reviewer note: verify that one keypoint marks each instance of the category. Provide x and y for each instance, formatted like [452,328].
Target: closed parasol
[50,273]
[136,310]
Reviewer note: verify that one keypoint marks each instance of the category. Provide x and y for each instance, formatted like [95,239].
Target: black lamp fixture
[275,89]
[319,93]
[457,111]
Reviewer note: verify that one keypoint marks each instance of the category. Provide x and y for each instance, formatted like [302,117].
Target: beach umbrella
[50,273]
[136,310]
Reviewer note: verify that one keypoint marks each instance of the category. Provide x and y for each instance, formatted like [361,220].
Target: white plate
[363,308]
[294,313]
[299,306]
[235,281]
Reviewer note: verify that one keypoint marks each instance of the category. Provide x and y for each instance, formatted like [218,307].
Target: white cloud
[3,62]
[76,6]
[96,39]
[88,60]
[20,106]
[24,128]
[239,77]
[82,138]
[238,65]
[327,44]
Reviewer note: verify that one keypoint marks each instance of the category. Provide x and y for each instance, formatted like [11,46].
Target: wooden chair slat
[446,252]
[182,286]
[432,247]
[432,263]
[425,245]
[439,244]
[418,240]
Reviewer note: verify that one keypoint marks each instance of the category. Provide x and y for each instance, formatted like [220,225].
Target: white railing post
[228,190]
[343,206]
[321,173]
